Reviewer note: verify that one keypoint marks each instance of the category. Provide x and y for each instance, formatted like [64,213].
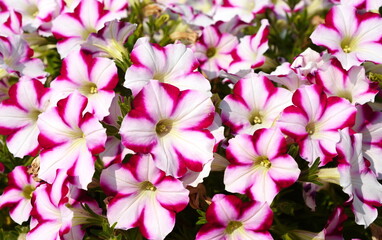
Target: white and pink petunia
[18,194]
[73,28]
[174,64]
[172,125]
[70,140]
[352,85]
[36,14]
[214,50]
[286,76]
[369,123]
[16,58]
[144,197]
[260,166]
[230,218]
[93,77]
[19,115]
[109,41]
[357,180]
[57,210]
[255,103]
[246,10]
[351,37]
[249,53]
[314,120]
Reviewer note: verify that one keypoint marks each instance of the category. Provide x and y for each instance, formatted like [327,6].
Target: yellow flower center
[163,127]
[256,118]
[232,226]
[148,186]
[211,52]
[263,161]
[28,191]
[348,44]
[310,128]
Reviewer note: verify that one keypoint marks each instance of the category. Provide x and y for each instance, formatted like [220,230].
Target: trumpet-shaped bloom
[250,51]
[174,64]
[172,125]
[19,115]
[18,193]
[144,197]
[70,139]
[314,120]
[352,85]
[357,180]
[214,50]
[369,123]
[73,28]
[94,78]
[108,42]
[260,166]
[351,37]
[16,57]
[231,219]
[254,104]
[246,10]
[57,211]
[36,14]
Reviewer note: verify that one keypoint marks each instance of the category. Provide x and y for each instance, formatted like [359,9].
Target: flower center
[263,161]
[28,191]
[89,89]
[159,76]
[310,128]
[232,226]
[148,186]
[347,44]
[345,94]
[34,114]
[211,52]
[163,127]
[256,118]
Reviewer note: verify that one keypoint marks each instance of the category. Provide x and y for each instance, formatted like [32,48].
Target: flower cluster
[143,119]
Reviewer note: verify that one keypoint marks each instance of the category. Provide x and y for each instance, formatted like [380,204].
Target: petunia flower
[18,194]
[255,103]
[314,120]
[73,28]
[16,57]
[174,64]
[249,53]
[19,115]
[144,197]
[369,123]
[357,180]
[171,124]
[260,166]
[36,14]
[57,210]
[95,78]
[246,10]
[229,218]
[108,42]
[70,139]
[352,85]
[214,50]
[351,37]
